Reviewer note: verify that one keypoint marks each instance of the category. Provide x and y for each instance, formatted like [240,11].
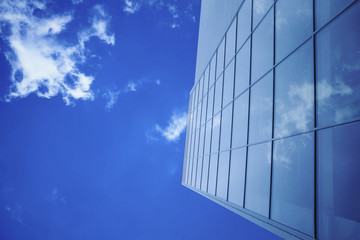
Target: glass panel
[237,176]
[230,42]
[223,174]
[212,70]
[198,116]
[228,84]
[196,148]
[218,94]
[198,173]
[201,145]
[203,114]
[327,9]
[258,179]
[260,7]
[244,23]
[292,196]
[338,192]
[220,58]
[205,170]
[226,119]
[210,103]
[215,134]
[294,93]
[201,84]
[242,69]
[206,80]
[293,21]
[262,47]
[213,173]
[338,70]
[194,98]
[207,137]
[240,122]
[261,110]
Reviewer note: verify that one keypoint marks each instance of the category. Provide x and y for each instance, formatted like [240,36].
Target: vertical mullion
[315,125]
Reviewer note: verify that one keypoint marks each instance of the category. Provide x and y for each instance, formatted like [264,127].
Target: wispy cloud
[175,127]
[75,2]
[112,97]
[131,6]
[40,62]
[133,86]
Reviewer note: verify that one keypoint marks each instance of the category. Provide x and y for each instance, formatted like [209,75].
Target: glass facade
[274,119]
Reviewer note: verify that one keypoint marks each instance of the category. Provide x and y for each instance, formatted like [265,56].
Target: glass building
[274,115]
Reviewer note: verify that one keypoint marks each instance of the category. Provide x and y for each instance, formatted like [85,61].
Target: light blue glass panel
[195,157]
[210,106]
[240,121]
[237,176]
[228,83]
[205,172]
[198,172]
[223,175]
[226,120]
[202,138]
[213,173]
[201,85]
[260,7]
[207,137]
[204,110]
[327,9]
[215,134]
[220,58]
[261,102]
[292,198]
[338,191]
[294,93]
[212,70]
[338,70]
[293,21]
[206,81]
[262,47]
[230,42]
[258,179]
[218,94]
[244,23]
[242,69]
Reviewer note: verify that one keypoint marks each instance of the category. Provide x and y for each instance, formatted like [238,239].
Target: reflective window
[240,122]
[293,21]
[237,176]
[338,70]
[220,58]
[242,69]
[258,179]
[244,23]
[223,172]
[261,102]
[215,134]
[207,137]
[203,114]
[210,106]
[198,116]
[260,7]
[198,172]
[292,196]
[201,84]
[206,81]
[228,84]
[226,119]
[230,42]
[294,93]
[212,70]
[338,192]
[213,173]
[201,141]
[196,148]
[262,48]
[204,176]
[327,9]
[218,94]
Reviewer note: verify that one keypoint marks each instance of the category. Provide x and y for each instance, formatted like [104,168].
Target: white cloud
[131,86]
[131,6]
[75,2]
[175,127]
[40,62]
[112,97]
[158,82]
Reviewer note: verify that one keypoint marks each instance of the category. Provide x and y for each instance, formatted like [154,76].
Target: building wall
[273,128]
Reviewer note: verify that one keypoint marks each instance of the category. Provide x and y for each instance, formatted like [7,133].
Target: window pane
[244,23]
[201,84]
[258,179]
[223,172]
[195,157]
[237,176]
[205,173]
[261,110]
[220,58]
[215,134]
[242,69]
[226,119]
[211,103]
[229,84]
[198,172]
[260,7]
[212,70]
[218,94]
[206,80]
[213,173]
[338,70]
[292,201]
[294,93]
[262,47]
[207,137]
[201,145]
[293,25]
[203,114]
[240,122]
[338,192]
[327,9]
[230,42]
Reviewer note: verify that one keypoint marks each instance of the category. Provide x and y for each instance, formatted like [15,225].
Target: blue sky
[93,109]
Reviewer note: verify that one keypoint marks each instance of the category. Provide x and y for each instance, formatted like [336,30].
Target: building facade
[274,115]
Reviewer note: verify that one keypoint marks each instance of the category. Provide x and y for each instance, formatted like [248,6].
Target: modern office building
[274,115]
